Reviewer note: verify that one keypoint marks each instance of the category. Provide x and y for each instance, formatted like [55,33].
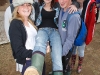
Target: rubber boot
[57,73]
[66,67]
[36,65]
[50,73]
[79,68]
[64,63]
[67,73]
[73,59]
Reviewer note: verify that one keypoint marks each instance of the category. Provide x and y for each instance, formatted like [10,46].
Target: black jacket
[18,38]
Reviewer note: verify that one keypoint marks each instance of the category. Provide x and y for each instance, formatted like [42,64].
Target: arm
[73,27]
[17,36]
[7,18]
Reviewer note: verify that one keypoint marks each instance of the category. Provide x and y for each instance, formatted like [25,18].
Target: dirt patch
[91,65]
[4,4]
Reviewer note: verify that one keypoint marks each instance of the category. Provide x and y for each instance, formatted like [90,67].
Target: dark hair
[52,2]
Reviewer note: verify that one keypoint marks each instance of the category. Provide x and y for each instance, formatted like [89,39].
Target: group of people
[29,35]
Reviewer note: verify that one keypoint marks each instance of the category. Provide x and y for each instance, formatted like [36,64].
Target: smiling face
[64,3]
[25,9]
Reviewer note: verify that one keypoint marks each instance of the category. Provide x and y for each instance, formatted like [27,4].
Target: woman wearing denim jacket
[48,31]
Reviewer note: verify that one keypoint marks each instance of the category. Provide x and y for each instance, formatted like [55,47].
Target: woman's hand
[95,10]
[48,48]
[72,9]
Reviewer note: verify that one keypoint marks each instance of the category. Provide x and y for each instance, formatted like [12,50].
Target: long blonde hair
[15,15]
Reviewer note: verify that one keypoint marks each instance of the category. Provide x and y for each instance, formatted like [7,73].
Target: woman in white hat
[22,33]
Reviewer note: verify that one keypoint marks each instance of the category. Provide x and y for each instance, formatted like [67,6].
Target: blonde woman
[22,32]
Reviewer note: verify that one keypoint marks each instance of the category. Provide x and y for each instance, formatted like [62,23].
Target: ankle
[79,68]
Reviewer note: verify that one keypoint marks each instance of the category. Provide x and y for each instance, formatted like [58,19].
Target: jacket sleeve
[72,30]
[17,42]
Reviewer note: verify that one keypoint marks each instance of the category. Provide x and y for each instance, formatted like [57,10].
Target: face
[47,1]
[64,3]
[25,9]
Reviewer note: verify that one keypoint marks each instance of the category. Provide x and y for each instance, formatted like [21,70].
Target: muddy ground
[91,64]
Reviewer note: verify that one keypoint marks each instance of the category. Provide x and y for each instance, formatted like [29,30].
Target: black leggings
[65,61]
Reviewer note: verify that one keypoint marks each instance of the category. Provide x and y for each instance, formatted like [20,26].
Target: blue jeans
[50,34]
[80,50]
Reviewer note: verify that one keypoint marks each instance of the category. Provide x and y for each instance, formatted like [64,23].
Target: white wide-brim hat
[20,2]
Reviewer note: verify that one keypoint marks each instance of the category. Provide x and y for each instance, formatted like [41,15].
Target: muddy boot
[67,73]
[66,67]
[50,73]
[55,73]
[73,59]
[64,63]
[36,65]
[79,68]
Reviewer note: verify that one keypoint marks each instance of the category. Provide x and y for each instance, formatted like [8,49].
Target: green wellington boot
[57,73]
[36,65]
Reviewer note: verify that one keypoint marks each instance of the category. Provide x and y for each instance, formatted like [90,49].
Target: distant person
[98,9]
[98,3]
[10,1]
